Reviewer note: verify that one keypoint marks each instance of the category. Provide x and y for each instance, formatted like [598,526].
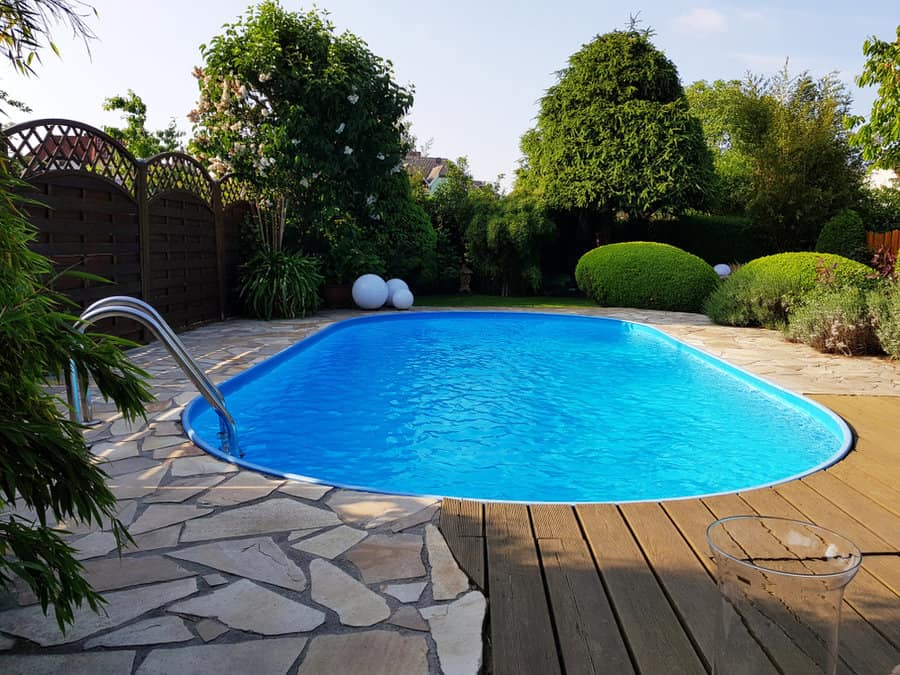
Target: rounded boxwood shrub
[845,235]
[645,275]
[764,291]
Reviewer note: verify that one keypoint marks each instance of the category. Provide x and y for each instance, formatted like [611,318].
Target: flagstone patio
[233,571]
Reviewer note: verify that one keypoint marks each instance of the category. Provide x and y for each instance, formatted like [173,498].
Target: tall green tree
[297,109]
[615,135]
[505,238]
[803,168]
[717,106]
[135,136]
[47,473]
[451,209]
[879,138]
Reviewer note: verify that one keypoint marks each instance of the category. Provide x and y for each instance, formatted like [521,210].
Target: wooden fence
[159,229]
[883,240]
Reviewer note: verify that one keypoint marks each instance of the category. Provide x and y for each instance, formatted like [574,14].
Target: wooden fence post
[219,215]
[143,204]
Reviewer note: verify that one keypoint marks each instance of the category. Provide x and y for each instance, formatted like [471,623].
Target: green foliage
[402,233]
[280,285]
[291,106]
[716,239]
[845,235]
[880,209]
[505,238]
[718,108]
[645,275]
[451,210]
[25,25]
[884,305]
[135,136]
[45,465]
[615,134]
[803,168]
[834,320]
[879,138]
[765,291]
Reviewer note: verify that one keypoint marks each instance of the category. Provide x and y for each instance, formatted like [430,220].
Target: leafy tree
[451,211]
[615,135]
[505,238]
[717,105]
[25,25]
[803,168]
[47,473]
[879,138]
[134,136]
[297,110]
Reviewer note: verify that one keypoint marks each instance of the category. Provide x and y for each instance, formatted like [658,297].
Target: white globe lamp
[403,299]
[394,285]
[722,270]
[369,291]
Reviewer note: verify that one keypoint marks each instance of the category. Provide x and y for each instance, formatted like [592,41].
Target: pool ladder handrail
[140,311]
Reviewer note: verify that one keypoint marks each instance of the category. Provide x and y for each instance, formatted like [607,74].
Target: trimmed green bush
[280,285]
[646,275]
[845,235]
[835,321]
[884,306]
[765,291]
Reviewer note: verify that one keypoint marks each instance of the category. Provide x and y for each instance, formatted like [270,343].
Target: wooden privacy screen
[886,240]
[161,229]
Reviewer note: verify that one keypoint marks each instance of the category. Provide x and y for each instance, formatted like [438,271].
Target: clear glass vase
[782,581]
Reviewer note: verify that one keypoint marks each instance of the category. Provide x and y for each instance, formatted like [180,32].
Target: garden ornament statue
[465,279]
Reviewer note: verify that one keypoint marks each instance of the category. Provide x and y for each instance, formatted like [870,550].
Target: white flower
[265,77]
[296,141]
[315,175]
[304,182]
[236,126]
[397,169]
[348,150]
[370,200]
[353,98]
[380,156]
[340,128]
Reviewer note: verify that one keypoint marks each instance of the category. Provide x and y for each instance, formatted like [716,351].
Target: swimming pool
[517,406]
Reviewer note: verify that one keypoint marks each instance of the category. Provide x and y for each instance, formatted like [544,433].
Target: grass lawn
[499,301]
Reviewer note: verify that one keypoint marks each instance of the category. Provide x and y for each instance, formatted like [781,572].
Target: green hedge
[764,291]
[646,275]
[716,239]
[845,235]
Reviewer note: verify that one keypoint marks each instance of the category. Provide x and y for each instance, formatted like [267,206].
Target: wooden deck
[629,588]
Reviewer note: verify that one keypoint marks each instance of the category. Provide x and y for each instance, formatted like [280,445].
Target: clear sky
[479,68]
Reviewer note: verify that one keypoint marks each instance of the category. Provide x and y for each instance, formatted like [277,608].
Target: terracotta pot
[338,295]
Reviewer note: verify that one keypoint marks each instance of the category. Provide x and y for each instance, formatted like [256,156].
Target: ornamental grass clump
[47,473]
[280,285]
[645,275]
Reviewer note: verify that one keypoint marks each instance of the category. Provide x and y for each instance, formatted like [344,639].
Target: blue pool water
[514,406]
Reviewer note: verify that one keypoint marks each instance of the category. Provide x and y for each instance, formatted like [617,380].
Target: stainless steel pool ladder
[133,308]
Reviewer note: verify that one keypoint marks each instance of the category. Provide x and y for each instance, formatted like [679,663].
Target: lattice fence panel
[184,283]
[45,146]
[87,225]
[176,172]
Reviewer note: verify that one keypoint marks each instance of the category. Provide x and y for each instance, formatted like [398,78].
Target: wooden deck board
[518,602]
[658,641]
[601,588]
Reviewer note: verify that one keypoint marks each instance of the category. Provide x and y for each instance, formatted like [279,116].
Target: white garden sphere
[403,299]
[394,285]
[370,291]
[722,270]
